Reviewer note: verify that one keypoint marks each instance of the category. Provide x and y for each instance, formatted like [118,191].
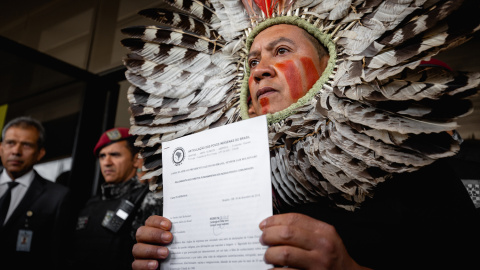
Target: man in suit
[35,214]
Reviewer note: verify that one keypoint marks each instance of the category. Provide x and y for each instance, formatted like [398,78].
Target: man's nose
[264,69]
[107,160]
[17,149]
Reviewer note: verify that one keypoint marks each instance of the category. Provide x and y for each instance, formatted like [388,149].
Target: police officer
[103,238]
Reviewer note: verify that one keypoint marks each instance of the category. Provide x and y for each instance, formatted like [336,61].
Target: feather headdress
[374,112]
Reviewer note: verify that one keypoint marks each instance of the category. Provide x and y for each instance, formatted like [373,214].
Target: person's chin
[276,109]
[110,180]
[14,168]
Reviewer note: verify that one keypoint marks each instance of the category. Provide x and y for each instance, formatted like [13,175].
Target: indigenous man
[285,62]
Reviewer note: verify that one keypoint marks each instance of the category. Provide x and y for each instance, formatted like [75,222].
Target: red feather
[266,6]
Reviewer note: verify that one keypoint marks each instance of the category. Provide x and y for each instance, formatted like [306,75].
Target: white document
[217,190]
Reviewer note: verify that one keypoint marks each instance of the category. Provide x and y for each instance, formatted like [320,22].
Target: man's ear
[137,162]
[41,154]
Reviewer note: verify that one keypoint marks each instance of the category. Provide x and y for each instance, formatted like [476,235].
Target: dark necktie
[5,202]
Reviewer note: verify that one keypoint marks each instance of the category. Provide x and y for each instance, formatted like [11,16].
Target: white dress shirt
[18,192]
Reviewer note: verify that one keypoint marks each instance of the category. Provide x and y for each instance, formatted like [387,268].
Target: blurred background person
[35,214]
[104,233]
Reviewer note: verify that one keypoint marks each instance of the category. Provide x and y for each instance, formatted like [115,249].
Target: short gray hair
[25,122]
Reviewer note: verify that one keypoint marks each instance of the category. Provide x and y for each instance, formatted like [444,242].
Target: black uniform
[97,247]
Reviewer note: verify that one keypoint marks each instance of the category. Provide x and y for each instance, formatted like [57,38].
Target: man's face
[19,150]
[284,65]
[117,162]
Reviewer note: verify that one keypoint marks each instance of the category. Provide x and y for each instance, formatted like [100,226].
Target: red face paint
[300,75]
[265,103]
[293,78]
[312,73]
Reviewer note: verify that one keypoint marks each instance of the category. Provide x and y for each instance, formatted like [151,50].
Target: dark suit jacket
[51,222]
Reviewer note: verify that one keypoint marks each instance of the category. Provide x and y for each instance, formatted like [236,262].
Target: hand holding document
[217,190]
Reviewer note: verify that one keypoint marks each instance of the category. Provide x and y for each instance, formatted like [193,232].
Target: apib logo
[178,156]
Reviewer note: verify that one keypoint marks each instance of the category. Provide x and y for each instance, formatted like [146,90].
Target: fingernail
[152,265]
[166,236]
[164,224]
[263,224]
[261,240]
[162,252]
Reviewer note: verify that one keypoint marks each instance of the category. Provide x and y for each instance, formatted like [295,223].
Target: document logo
[178,156]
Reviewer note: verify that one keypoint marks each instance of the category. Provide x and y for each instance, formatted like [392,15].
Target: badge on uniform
[108,216]
[114,134]
[81,223]
[24,240]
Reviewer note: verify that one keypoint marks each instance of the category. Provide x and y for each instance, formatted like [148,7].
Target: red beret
[111,136]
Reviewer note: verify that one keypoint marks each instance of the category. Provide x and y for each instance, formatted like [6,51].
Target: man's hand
[150,239]
[300,242]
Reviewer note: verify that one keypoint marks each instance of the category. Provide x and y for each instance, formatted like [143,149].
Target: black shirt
[419,220]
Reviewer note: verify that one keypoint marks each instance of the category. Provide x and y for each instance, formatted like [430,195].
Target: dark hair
[131,145]
[27,122]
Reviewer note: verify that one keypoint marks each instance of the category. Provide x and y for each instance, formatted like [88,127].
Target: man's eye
[282,51]
[9,144]
[253,63]
[27,146]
